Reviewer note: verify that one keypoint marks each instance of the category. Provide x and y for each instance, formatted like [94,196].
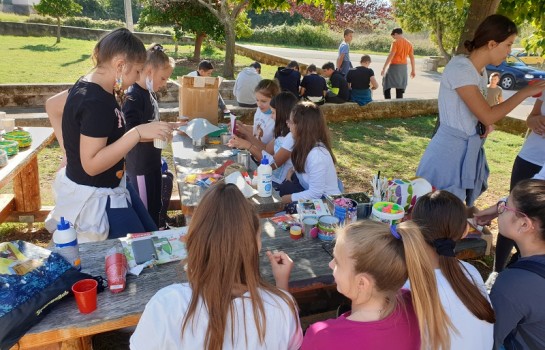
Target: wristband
[139,135]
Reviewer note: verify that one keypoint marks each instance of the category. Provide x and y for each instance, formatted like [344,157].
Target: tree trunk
[230,36]
[478,11]
[199,38]
[439,36]
[58,30]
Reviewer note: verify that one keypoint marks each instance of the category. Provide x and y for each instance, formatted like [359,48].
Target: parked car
[528,58]
[514,73]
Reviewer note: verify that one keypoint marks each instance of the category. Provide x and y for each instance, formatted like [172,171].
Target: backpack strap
[529,265]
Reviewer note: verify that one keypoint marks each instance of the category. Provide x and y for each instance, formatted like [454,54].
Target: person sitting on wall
[361,80]
[313,86]
[244,89]
[289,78]
[338,87]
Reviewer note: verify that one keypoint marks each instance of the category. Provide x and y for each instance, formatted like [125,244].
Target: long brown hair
[441,215]
[310,130]
[223,256]
[494,27]
[283,103]
[529,198]
[119,42]
[390,261]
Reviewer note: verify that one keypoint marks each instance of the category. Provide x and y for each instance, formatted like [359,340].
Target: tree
[442,18]
[361,15]
[478,11]
[190,17]
[58,9]
[530,12]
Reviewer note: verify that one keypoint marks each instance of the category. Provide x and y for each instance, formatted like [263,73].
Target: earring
[118,83]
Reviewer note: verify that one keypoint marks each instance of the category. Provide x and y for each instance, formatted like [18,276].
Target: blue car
[514,73]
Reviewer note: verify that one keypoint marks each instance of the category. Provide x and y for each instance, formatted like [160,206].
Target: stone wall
[38,29]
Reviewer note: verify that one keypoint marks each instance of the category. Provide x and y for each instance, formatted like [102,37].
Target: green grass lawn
[40,60]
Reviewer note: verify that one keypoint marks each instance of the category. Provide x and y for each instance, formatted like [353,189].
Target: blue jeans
[133,219]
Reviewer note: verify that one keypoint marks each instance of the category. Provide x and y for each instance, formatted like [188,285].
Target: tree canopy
[442,18]
[531,12]
[58,9]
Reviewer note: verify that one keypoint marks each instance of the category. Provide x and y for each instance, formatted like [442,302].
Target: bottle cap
[264,161]
[63,225]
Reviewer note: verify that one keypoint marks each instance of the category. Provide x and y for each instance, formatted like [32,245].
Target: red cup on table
[531,82]
[85,292]
[116,271]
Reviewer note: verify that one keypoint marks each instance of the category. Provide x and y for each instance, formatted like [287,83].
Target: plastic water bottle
[264,174]
[66,243]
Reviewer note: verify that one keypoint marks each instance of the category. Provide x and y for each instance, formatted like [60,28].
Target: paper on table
[198,128]
[237,179]
[233,121]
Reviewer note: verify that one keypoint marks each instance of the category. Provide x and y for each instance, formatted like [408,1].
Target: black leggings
[522,170]
[399,93]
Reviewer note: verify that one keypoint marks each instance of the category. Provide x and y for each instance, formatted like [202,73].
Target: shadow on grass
[81,59]
[43,48]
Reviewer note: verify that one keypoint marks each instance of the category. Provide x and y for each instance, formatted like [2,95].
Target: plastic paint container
[327,224]
[390,213]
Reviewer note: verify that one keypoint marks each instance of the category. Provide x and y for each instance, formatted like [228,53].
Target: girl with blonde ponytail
[441,217]
[371,263]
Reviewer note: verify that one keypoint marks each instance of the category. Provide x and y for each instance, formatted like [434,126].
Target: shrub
[84,22]
[300,35]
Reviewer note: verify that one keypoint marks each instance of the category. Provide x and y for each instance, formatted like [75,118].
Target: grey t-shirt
[453,111]
[518,300]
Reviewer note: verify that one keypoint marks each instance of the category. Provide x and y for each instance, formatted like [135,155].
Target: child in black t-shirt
[361,81]
[313,86]
[91,192]
[144,160]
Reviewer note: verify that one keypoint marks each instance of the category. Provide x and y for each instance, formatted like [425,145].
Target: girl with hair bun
[371,262]
[454,159]
[517,294]
[225,304]
[141,108]
[91,192]
[441,217]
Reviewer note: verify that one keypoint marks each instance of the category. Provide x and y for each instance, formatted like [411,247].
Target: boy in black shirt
[361,81]
[338,87]
[289,78]
[313,86]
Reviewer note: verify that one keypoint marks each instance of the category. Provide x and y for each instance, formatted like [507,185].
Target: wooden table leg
[26,188]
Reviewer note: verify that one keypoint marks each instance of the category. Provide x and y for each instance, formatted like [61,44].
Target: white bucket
[389,218]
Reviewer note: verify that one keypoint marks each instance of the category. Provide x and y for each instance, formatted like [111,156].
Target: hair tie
[444,247]
[158,47]
[394,232]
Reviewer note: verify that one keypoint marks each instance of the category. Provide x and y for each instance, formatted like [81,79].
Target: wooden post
[26,188]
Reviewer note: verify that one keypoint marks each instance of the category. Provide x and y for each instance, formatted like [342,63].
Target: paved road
[425,85]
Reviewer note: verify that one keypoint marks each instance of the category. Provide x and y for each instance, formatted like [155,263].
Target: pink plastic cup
[116,271]
[85,292]
[533,82]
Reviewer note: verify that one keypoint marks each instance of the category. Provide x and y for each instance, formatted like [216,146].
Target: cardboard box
[198,97]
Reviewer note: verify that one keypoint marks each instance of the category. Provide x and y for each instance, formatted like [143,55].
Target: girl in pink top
[371,263]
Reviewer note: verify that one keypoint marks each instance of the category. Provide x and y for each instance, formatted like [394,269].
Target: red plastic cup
[85,292]
[531,82]
[116,271]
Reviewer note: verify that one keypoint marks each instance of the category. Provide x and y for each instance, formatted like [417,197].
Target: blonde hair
[372,243]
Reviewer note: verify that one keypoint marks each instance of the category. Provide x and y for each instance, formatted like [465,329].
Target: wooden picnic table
[188,160]
[22,168]
[66,328]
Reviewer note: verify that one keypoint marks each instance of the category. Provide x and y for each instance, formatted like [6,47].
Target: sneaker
[490,281]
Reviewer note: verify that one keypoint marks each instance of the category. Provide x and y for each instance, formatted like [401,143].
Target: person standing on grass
[361,81]
[343,59]
[394,71]
[92,191]
[455,160]
[494,93]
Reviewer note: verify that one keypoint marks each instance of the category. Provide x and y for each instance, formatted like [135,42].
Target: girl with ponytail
[454,159]
[371,263]
[441,217]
